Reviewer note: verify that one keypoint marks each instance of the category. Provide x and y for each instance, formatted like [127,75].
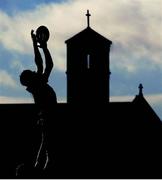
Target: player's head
[27,77]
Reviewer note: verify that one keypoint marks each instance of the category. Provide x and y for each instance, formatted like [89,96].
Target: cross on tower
[140,90]
[88,17]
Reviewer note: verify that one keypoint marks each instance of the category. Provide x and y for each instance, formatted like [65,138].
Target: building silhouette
[88,67]
[91,137]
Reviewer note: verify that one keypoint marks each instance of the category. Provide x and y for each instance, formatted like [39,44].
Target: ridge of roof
[88,30]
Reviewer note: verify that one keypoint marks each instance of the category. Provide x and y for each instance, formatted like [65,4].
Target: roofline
[85,30]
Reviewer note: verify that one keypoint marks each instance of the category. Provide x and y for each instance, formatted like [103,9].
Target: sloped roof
[137,112]
[145,111]
[86,33]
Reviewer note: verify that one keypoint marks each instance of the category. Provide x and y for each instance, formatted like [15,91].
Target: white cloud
[151,98]
[121,98]
[133,26]
[22,100]
[154,99]
[17,64]
[7,80]
[14,100]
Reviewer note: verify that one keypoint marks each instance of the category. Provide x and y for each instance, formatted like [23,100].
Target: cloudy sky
[134,27]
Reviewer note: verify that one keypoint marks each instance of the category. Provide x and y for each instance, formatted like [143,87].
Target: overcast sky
[134,27]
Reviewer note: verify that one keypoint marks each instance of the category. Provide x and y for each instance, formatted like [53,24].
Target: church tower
[88,67]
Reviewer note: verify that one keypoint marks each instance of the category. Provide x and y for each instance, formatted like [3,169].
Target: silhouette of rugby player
[36,83]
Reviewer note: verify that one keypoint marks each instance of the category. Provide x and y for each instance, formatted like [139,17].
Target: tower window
[88,61]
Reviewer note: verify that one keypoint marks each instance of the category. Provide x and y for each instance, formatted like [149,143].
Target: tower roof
[88,34]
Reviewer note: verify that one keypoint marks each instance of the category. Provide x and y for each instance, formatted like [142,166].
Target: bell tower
[88,67]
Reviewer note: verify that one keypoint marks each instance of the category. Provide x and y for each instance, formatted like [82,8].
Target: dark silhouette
[88,67]
[43,94]
[36,82]
[88,137]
